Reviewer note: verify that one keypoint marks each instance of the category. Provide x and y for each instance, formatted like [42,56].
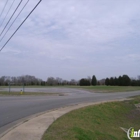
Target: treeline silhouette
[122,81]
[51,81]
[32,80]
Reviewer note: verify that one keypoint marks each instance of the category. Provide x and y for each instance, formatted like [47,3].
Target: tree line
[88,81]
[122,81]
[32,80]
[20,80]
[51,81]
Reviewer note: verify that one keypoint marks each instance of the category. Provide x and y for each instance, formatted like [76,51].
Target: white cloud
[85,37]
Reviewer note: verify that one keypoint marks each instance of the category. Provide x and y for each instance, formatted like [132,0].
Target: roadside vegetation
[98,122]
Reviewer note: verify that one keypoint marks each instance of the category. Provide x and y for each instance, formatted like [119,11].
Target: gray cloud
[75,39]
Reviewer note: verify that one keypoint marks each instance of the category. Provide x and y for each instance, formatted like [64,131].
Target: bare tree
[73,82]
[51,81]
[65,82]
[59,81]
[89,79]
[2,80]
[20,80]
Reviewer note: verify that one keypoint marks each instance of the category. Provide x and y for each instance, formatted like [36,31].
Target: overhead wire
[21,24]
[7,13]
[14,20]
[3,8]
[11,17]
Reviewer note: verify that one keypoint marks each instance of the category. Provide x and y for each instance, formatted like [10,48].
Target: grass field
[111,88]
[99,89]
[99,122]
[6,93]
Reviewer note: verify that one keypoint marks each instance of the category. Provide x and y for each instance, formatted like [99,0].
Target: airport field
[107,89]
[96,89]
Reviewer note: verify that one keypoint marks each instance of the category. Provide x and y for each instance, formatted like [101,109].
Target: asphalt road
[13,108]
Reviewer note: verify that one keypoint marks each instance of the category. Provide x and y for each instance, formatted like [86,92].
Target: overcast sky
[73,39]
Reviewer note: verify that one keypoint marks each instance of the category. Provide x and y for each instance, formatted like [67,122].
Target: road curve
[13,108]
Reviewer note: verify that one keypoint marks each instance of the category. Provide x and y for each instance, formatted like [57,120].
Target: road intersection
[14,109]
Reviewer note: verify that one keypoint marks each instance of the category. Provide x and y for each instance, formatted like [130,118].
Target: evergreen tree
[126,80]
[94,80]
[120,81]
[116,81]
[84,82]
[107,81]
[111,81]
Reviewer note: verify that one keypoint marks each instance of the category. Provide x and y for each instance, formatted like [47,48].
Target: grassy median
[99,122]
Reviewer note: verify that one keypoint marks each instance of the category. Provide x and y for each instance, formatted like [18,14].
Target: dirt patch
[134,114]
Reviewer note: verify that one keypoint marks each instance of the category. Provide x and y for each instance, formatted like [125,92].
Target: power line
[7,12]
[14,20]
[11,17]
[3,8]
[21,24]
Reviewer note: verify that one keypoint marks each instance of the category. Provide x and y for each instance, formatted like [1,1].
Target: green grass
[99,122]
[104,89]
[98,89]
[24,86]
[6,93]
[111,88]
